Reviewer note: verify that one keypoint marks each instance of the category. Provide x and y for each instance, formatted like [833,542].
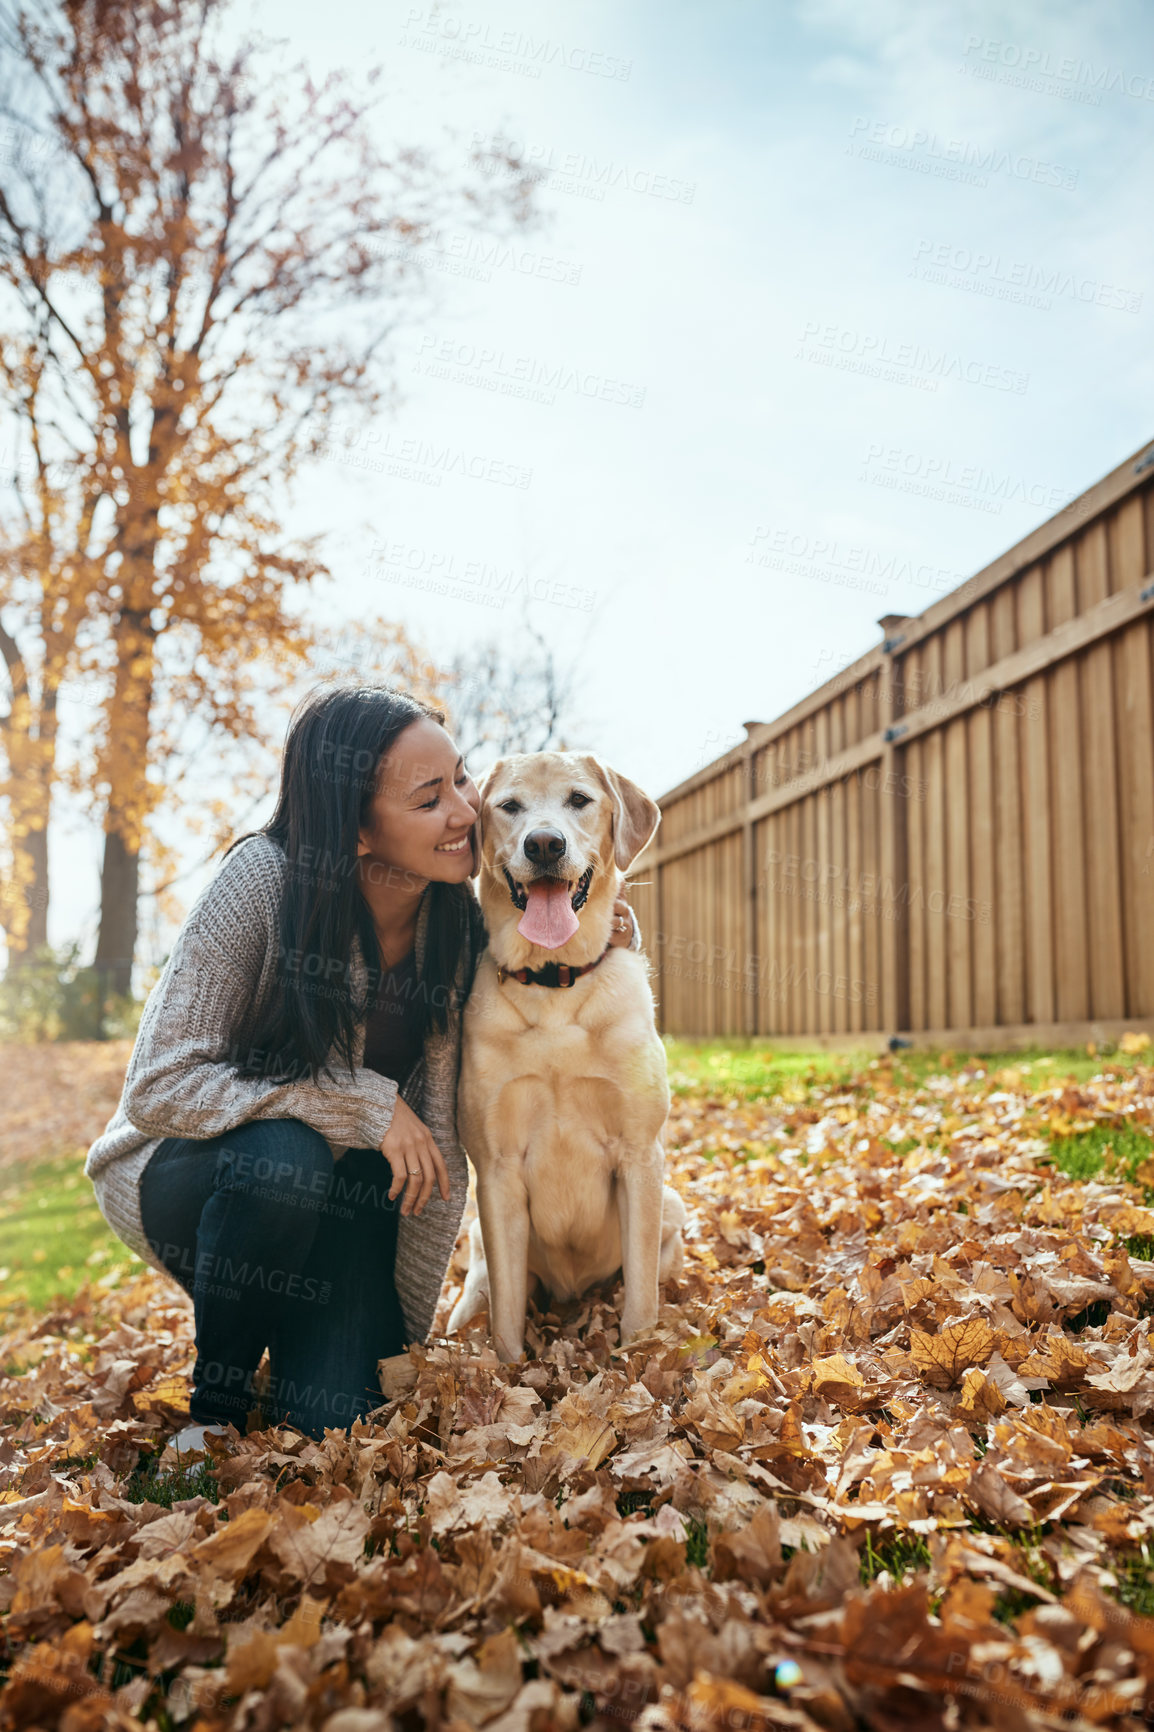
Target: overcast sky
[845,299]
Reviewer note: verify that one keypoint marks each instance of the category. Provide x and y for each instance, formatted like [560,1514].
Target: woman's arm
[183,1077]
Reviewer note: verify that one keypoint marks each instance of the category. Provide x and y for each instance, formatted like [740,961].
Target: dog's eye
[509,806]
[579,800]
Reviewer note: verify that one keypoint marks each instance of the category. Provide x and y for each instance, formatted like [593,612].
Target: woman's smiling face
[423,811]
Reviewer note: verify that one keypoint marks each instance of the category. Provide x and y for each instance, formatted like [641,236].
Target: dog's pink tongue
[549,919]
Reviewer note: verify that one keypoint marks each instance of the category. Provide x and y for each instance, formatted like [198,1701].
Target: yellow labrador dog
[563,1090]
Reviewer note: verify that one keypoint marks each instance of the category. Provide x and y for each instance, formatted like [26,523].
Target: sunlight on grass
[747,1070]
[53,1238]
[754,1072]
[1084,1155]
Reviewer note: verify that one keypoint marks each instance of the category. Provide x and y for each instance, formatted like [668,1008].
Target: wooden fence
[952,840]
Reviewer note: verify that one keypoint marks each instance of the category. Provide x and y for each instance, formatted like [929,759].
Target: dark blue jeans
[279,1246]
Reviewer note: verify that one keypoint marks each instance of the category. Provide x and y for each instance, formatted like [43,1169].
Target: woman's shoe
[191,1439]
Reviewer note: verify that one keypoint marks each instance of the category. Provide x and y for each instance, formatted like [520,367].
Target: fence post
[892,839]
[749,1017]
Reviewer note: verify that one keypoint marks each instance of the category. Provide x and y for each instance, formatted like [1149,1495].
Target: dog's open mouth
[549,907]
[520,899]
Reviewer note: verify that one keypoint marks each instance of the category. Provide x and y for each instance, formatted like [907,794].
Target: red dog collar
[553,973]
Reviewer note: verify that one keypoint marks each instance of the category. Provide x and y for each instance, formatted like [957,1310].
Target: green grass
[148,1484]
[1012,1604]
[1040,1066]
[1135,1573]
[629,1502]
[753,1072]
[53,1238]
[1084,1155]
[696,1542]
[747,1070]
[901,1555]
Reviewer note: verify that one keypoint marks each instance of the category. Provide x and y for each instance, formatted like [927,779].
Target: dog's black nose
[544,846]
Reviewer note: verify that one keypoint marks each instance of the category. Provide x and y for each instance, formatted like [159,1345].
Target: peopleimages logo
[505,50]
[1015,280]
[957,483]
[477,257]
[849,564]
[416,459]
[918,147]
[880,356]
[441,572]
[988,57]
[489,368]
[573,171]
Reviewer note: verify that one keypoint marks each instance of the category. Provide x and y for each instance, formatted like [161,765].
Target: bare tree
[510,695]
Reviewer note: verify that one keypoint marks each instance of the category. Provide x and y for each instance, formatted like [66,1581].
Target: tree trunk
[125,768]
[119,887]
[37,892]
[32,761]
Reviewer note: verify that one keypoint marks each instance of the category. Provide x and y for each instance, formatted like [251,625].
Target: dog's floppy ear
[635,818]
[483,787]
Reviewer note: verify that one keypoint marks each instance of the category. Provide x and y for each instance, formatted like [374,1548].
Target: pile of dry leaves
[886,1461]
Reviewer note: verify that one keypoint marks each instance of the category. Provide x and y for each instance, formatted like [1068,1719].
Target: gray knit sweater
[181,1083]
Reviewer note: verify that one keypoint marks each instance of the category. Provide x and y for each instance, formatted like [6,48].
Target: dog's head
[557,832]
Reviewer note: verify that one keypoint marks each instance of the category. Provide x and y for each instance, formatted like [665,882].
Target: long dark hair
[336,740]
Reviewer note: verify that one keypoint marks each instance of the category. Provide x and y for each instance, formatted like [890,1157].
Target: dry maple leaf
[980,1398]
[942,1358]
[1059,1360]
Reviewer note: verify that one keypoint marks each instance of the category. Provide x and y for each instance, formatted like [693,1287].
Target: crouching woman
[285,1146]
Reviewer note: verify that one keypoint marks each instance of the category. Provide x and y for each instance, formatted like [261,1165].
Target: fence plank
[1134,706]
[871,916]
[1107,982]
[932,889]
[810,866]
[794,960]
[764,937]
[1036,813]
[823,856]
[837,913]
[853,866]
[1129,559]
[916,875]
[983,881]
[1071,983]
[1008,923]
[958,796]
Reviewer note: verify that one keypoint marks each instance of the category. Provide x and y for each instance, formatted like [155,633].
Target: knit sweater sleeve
[183,1077]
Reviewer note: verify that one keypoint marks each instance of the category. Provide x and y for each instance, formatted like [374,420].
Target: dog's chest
[565,1077]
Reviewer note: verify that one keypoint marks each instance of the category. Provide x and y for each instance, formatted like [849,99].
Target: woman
[295,1071]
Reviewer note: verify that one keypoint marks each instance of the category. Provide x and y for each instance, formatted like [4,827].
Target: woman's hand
[621,932]
[416,1160]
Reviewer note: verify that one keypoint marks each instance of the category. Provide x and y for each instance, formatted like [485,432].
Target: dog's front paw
[509,1352]
[633,1328]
